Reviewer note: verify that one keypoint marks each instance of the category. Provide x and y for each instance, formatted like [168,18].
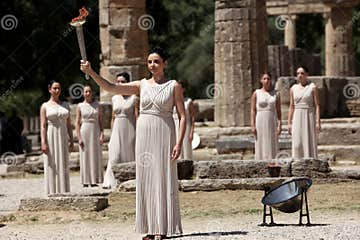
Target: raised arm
[43,124]
[179,103]
[291,111]
[123,88]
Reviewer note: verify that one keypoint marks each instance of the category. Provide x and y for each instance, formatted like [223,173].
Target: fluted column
[339,53]
[290,32]
[240,57]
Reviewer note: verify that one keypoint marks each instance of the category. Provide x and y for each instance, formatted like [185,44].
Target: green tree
[185,29]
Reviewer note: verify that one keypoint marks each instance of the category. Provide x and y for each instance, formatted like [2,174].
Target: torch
[77,23]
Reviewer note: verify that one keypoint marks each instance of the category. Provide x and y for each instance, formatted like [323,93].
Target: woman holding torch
[157,200]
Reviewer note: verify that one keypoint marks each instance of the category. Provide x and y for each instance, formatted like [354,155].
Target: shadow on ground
[296,225]
[210,234]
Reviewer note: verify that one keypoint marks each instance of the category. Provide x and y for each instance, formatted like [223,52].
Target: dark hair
[124,75]
[159,51]
[183,83]
[51,83]
[303,67]
[267,73]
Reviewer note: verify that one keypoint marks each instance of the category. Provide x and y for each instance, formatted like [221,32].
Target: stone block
[230,144]
[65,203]
[204,109]
[217,184]
[309,167]
[229,14]
[120,18]
[104,17]
[230,184]
[103,4]
[220,4]
[127,171]
[185,169]
[124,171]
[339,134]
[345,174]
[128,186]
[234,169]
[105,42]
[127,3]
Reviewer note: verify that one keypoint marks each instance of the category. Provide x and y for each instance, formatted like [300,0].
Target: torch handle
[81,41]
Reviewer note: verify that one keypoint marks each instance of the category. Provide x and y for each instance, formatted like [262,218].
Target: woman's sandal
[160,237]
[148,237]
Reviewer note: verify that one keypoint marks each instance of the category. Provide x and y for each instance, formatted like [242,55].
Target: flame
[82,16]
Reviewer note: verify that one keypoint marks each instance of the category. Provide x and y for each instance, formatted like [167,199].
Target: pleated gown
[122,140]
[91,167]
[56,162]
[157,200]
[266,142]
[304,141]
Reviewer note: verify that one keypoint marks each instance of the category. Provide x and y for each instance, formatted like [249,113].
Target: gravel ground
[343,227]
[333,224]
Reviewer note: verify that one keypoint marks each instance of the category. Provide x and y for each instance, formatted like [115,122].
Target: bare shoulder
[313,85]
[254,94]
[43,106]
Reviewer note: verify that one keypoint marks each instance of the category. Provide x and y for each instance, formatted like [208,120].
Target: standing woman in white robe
[56,141]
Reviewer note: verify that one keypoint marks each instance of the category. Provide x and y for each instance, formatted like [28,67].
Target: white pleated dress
[122,140]
[266,142]
[91,168]
[157,200]
[304,141]
[56,162]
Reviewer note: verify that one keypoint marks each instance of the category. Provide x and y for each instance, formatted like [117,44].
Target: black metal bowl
[286,197]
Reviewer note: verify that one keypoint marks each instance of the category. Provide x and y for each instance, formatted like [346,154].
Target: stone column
[123,37]
[339,53]
[290,32]
[240,57]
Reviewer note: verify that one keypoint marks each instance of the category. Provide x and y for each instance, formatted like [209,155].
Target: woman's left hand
[101,138]
[318,128]
[191,136]
[176,152]
[71,146]
[278,131]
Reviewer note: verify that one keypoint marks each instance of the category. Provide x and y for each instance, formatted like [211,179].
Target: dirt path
[335,213]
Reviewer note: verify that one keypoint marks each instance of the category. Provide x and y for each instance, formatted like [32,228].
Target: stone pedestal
[339,53]
[124,42]
[240,58]
[290,32]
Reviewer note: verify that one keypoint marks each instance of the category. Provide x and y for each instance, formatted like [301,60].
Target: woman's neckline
[157,84]
[54,103]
